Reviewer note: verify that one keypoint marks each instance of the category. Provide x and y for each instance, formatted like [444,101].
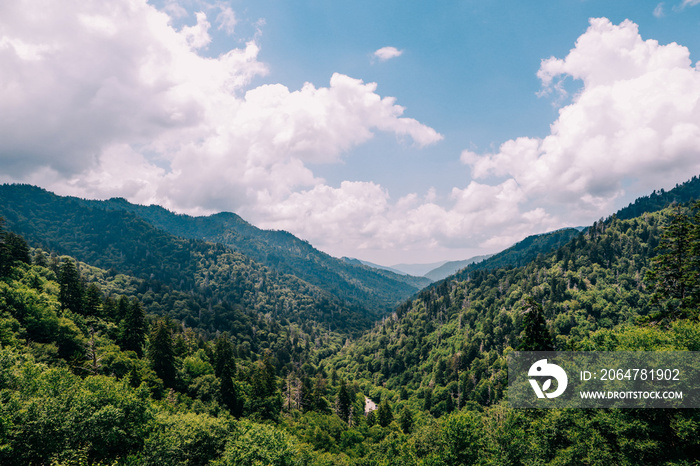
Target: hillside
[89,381]
[451,267]
[216,283]
[448,343]
[373,289]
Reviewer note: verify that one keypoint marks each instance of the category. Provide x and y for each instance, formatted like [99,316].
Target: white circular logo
[543,369]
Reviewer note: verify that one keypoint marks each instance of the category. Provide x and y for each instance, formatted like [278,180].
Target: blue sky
[467,139]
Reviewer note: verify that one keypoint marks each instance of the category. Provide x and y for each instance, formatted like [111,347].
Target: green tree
[132,328]
[344,401]
[384,414]
[406,420]
[536,335]
[674,276]
[92,302]
[161,354]
[71,288]
[266,399]
[17,248]
[225,369]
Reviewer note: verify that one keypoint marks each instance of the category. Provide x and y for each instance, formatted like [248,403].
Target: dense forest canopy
[122,343]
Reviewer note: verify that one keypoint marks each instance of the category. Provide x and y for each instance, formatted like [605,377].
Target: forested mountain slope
[375,289]
[452,267]
[446,346]
[88,377]
[212,283]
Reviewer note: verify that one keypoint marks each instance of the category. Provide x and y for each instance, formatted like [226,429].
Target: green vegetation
[141,347]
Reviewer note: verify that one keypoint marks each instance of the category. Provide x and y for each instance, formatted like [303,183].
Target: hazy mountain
[448,268]
[354,261]
[419,270]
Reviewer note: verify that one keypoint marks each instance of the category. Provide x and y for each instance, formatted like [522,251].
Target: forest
[123,343]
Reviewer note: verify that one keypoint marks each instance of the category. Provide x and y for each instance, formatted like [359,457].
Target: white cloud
[659,10]
[690,3]
[634,126]
[227,19]
[387,53]
[108,98]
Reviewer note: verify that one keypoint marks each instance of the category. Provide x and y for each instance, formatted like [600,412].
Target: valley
[132,335]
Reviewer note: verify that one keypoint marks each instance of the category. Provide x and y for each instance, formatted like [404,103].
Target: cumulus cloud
[387,53]
[110,99]
[93,90]
[634,125]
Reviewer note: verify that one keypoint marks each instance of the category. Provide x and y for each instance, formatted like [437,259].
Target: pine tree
[344,401]
[406,420]
[17,248]
[92,303]
[161,354]
[673,276]
[71,288]
[132,328]
[537,337]
[266,399]
[384,414]
[225,369]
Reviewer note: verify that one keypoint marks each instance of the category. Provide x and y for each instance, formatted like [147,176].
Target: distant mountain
[377,291]
[522,252]
[354,261]
[418,270]
[449,268]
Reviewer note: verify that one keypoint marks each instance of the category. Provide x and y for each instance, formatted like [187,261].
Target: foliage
[76,388]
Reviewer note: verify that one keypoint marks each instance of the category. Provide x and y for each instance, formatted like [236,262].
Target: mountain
[280,389]
[522,252]
[449,268]
[418,270]
[376,291]
[202,284]
[449,341]
[354,261]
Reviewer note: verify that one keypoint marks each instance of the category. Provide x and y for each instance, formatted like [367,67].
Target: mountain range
[239,360]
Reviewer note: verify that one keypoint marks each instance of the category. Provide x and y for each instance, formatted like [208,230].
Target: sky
[392,131]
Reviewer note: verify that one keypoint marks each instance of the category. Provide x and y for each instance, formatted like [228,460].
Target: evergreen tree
[266,399]
[536,337]
[71,288]
[17,248]
[384,414]
[225,369]
[406,420]
[223,356]
[161,354]
[40,258]
[132,328]
[92,302]
[674,274]
[372,418]
[344,401]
